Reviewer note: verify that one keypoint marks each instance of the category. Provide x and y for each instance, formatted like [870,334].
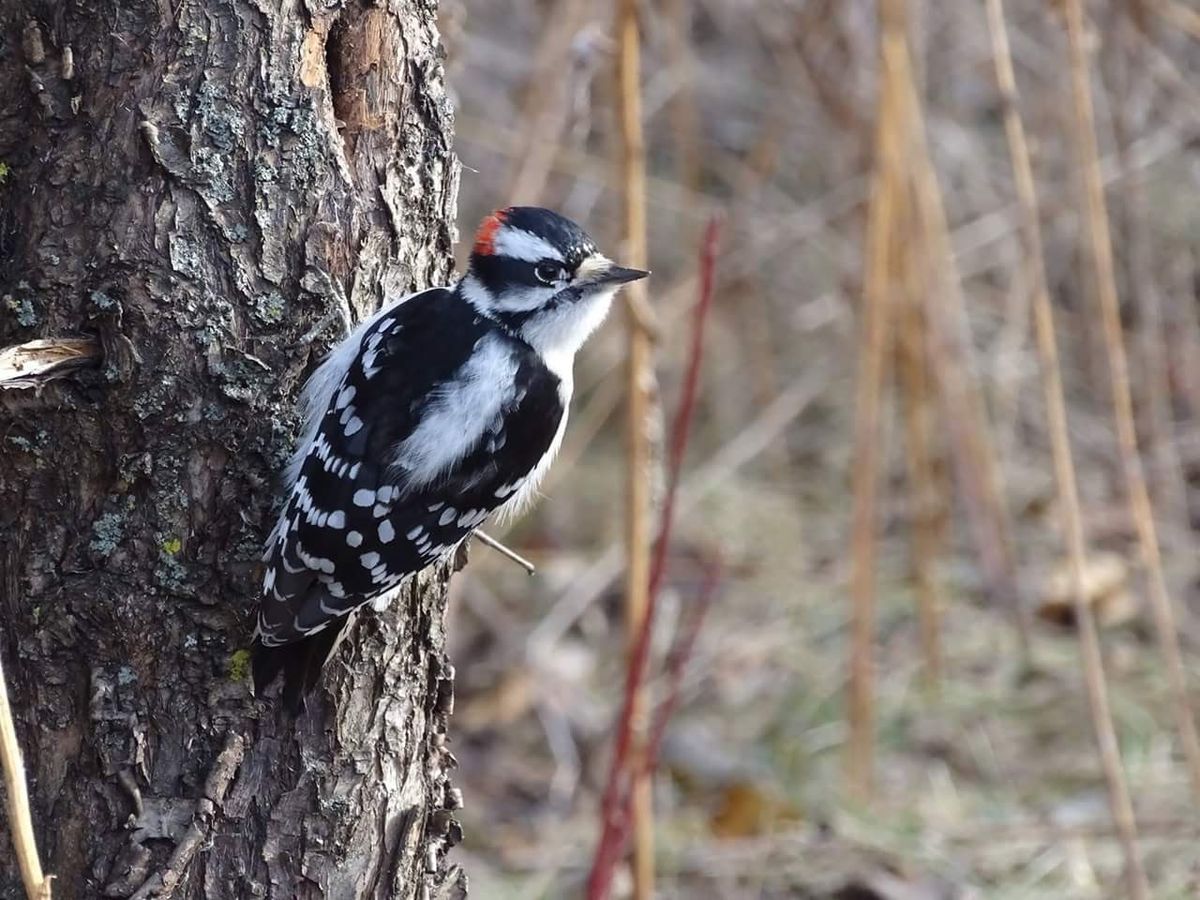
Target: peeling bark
[209,189]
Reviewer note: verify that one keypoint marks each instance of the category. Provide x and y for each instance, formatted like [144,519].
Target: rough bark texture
[200,184]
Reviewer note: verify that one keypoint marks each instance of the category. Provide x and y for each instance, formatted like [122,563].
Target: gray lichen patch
[107,533]
[269,307]
[103,301]
[187,255]
[170,572]
[21,305]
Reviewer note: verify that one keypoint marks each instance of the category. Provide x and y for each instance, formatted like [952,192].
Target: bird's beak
[621,275]
[601,270]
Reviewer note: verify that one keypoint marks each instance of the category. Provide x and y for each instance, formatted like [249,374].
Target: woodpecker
[442,410]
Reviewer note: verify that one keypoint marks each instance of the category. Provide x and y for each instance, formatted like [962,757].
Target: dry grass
[1141,510]
[1034,272]
[992,783]
[20,822]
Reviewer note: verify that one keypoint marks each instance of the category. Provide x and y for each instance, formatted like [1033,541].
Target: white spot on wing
[386,532]
[364,497]
[322,384]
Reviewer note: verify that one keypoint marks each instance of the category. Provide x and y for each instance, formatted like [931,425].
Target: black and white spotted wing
[420,441]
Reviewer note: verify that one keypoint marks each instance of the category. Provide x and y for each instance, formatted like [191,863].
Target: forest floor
[988,784]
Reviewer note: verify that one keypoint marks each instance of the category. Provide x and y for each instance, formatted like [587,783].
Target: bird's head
[541,277]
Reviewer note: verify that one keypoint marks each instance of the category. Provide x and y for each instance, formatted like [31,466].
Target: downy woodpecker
[441,410]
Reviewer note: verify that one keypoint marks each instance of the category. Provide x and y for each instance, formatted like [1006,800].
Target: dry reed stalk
[887,183]
[1167,480]
[640,422]
[912,364]
[1141,509]
[20,822]
[964,411]
[1188,336]
[1064,468]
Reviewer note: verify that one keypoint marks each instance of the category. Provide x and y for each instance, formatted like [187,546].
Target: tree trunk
[209,189]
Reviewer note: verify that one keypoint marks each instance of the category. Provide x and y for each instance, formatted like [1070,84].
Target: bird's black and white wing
[422,423]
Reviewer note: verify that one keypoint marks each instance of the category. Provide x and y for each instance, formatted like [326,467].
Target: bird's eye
[547,273]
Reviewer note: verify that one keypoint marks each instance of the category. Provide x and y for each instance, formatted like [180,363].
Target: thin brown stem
[887,182]
[912,363]
[1064,469]
[964,412]
[639,379]
[20,822]
[1167,482]
[1141,509]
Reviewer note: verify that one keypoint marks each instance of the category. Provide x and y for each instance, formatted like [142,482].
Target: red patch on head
[485,237]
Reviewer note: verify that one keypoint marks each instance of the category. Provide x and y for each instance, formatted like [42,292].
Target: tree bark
[211,190]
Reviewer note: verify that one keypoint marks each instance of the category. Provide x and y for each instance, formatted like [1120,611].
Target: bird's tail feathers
[300,663]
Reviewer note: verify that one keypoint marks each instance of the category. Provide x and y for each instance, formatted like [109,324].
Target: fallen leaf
[1105,590]
[745,809]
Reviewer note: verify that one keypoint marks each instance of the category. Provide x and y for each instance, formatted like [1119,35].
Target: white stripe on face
[523,245]
[476,294]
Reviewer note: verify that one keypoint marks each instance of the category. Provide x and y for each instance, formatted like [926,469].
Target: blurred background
[987,780]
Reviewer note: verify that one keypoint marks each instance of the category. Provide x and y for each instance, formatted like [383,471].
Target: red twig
[677,658]
[615,803]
